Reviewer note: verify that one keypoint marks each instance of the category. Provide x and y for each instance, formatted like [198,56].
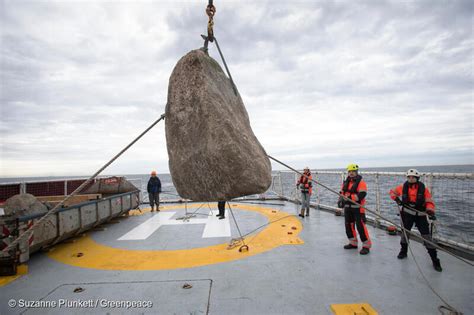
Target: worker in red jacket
[355,188]
[413,194]
[305,185]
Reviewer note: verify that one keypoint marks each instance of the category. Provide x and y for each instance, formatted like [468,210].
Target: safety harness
[420,197]
[354,187]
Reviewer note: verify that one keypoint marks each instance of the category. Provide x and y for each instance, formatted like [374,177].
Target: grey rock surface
[23,204]
[213,152]
[110,186]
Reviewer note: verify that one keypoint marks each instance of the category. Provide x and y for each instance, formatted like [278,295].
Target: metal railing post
[377,199]
[296,188]
[281,185]
[22,188]
[318,191]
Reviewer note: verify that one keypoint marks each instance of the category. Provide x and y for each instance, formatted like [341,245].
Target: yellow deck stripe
[98,256]
[21,270]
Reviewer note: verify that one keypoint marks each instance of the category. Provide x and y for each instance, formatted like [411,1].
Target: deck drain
[187,286]
[78,290]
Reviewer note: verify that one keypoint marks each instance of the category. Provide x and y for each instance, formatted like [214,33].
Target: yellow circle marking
[98,256]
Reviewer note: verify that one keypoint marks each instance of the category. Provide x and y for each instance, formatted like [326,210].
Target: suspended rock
[110,186]
[213,152]
[23,204]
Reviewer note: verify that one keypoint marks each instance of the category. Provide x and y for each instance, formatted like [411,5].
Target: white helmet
[413,172]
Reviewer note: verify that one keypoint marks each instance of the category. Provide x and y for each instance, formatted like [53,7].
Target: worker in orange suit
[305,185]
[414,199]
[355,188]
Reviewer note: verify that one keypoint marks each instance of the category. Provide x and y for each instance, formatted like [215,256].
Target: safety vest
[353,186]
[305,183]
[419,203]
[415,195]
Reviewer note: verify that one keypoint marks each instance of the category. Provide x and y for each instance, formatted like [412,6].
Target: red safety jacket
[421,202]
[305,183]
[353,194]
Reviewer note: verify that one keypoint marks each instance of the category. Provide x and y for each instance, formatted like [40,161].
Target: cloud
[325,83]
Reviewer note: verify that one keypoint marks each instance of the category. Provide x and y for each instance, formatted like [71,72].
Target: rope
[236,224]
[78,189]
[448,306]
[264,225]
[374,213]
[226,68]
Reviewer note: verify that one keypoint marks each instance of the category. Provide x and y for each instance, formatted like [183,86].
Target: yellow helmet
[352,167]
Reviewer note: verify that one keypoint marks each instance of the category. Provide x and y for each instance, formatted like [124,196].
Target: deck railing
[453,194]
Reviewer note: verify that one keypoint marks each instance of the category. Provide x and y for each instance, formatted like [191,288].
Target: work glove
[398,201]
[430,212]
[340,203]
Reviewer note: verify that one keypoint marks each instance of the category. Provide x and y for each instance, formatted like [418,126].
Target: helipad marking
[214,226]
[99,256]
[147,228]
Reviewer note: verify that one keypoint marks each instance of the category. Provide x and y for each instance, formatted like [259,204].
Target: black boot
[435,260]
[437,265]
[364,251]
[403,251]
[350,246]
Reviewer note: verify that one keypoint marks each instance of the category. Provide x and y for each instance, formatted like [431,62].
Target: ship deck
[293,266]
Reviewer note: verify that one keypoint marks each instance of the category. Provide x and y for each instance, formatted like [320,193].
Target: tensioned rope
[210,11]
[373,212]
[30,230]
[447,306]
[450,308]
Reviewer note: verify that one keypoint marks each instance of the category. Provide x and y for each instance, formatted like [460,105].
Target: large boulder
[110,186]
[213,152]
[23,204]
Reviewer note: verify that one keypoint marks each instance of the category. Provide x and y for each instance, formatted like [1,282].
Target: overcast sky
[325,83]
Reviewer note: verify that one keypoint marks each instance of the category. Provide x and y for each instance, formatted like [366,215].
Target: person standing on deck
[355,188]
[306,187]
[416,196]
[221,207]
[154,189]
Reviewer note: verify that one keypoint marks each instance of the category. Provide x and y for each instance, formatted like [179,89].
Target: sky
[325,83]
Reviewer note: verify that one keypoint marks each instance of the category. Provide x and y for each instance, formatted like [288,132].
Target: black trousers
[154,198]
[221,207]
[352,216]
[421,222]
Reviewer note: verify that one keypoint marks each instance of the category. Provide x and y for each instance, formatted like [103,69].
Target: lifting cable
[211,11]
[30,230]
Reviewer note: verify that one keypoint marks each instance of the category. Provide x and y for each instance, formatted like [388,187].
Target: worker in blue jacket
[154,189]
